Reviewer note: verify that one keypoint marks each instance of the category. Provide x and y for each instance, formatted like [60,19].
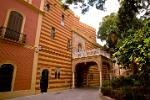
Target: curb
[105,97]
[108,98]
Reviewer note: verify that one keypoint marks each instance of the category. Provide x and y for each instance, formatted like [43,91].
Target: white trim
[29,1]
[35,59]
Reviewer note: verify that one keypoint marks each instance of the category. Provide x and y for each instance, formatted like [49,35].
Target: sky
[93,17]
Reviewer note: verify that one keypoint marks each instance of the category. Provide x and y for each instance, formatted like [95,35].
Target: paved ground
[75,94]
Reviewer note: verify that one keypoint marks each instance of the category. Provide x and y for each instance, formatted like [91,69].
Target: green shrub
[126,88]
[105,83]
[117,94]
[106,91]
[121,82]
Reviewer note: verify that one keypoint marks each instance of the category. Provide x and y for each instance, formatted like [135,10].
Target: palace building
[44,47]
[69,56]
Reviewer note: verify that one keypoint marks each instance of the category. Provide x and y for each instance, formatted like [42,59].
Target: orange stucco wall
[54,52]
[20,55]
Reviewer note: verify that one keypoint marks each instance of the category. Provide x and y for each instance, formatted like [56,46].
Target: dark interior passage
[79,76]
[44,81]
[82,75]
[6,75]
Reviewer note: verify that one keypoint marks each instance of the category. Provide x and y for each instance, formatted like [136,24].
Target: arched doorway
[87,75]
[6,75]
[44,80]
[79,76]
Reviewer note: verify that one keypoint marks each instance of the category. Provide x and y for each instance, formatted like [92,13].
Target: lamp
[38,48]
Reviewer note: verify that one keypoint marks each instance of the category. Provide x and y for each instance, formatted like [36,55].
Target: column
[100,71]
[73,80]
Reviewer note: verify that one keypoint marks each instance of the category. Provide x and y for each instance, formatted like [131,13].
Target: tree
[122,24]
[107,26]
[136,5]
[135,49]
[144,7]
[128,24]
[108,30]
[127,17]
[86,4]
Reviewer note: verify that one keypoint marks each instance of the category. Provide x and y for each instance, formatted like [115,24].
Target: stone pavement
[73,94]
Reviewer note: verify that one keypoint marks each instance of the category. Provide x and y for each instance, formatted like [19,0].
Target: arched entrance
[86,75]
[44,80]
[81,71]
[96,69]
[6,75]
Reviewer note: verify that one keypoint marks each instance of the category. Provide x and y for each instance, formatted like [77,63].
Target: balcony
[11,35]
[93,52]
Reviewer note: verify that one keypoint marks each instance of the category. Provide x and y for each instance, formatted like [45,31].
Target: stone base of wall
[13,94]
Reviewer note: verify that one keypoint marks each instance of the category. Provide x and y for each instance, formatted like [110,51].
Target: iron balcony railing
[12,35]
[93,52]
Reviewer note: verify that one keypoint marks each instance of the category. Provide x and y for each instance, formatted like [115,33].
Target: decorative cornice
[31,6]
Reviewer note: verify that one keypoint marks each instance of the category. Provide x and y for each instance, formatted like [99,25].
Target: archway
[44,80]
[86,75]
[81,69]
[6,75]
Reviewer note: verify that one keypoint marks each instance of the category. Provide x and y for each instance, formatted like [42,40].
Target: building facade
[69,56]
[54,57]
[90,64]
[18,29]
[119,71]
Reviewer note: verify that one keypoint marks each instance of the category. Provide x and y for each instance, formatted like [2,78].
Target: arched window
[57,73]
[69,44]
[14,25]
[79,47]
[6,75]
[62,20]
[52,33]
[47,6]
